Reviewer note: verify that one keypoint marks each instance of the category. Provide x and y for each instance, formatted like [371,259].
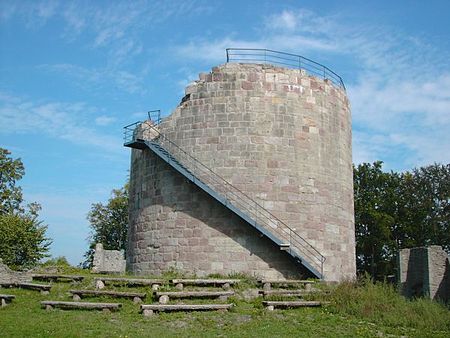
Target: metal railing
[267,56]
[155,116]
[298,246]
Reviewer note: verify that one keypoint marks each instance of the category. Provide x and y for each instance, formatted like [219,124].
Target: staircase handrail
[232,194]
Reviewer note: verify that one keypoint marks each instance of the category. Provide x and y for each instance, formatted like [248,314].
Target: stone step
[5,299]
[57,278]
[271,305]
[106,307]
[164,297]
[100,282]
[267,283]
[43,288]
[136,296]
[225,283]
[148,310]
[285,293]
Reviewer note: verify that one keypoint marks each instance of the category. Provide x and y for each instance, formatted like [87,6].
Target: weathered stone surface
[424,271]
[5,299]
[280,136]
[49,304]
[8,276]
[108,261]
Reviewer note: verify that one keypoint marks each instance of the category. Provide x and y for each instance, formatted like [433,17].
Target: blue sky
[73,73]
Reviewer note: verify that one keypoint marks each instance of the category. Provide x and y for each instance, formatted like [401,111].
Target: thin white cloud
[67,121]
[104,120]
[116,27]
[400,86]
[100,78]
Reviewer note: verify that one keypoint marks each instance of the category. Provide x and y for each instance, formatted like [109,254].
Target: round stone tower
[280,136]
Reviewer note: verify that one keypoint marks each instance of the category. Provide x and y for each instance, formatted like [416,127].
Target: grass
[356,310]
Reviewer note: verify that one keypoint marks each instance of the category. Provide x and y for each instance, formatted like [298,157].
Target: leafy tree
[395,211]
[424,215]
[11,170]
[109,224]
[23,239]
[374,196]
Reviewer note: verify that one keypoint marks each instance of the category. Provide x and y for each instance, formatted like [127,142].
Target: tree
[23,239]
[24,242]
[109,224]
[375,203]
[425,207]
[395,211]
[11,170]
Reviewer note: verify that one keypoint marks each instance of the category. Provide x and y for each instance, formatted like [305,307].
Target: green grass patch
[357,310]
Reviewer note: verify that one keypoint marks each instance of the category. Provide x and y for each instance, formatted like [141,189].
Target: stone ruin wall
[424,271]
[277,134]
[8,276]
[108,261]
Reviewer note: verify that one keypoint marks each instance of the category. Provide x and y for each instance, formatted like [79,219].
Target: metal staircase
[145,135]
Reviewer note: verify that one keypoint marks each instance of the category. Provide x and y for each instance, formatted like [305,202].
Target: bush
[23,241]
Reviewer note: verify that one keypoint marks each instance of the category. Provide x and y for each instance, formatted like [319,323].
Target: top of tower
[267,56]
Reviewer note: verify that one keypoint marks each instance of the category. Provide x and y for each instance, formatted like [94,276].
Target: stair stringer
[166,157]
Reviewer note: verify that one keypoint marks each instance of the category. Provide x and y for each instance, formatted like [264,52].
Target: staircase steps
[232,198]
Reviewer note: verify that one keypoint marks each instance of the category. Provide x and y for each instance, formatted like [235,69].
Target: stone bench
[57,278]
[100,282]
[164,297]
[105,307]
[267,283]
[284,293]
[5,299]
[136,296]
[271,305]
[148,310]
[224,283]
[43,288]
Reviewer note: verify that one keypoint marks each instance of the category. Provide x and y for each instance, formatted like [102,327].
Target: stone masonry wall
[279,135]
[9,276]
[108,261]
[425,271]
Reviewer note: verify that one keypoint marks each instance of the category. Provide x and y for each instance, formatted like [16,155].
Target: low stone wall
[425,271]
[108,261]
[9,276]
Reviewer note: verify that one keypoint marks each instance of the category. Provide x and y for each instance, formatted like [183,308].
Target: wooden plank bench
[164,297]
[136,296]
[57,278]
[5,299]
[271,305]
[43,288]
[148,310]
[284,293]
[224,283]
[100,282]
[267,283]
[105,307]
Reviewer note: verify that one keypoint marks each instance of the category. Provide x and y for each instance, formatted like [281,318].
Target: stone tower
[279,136]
